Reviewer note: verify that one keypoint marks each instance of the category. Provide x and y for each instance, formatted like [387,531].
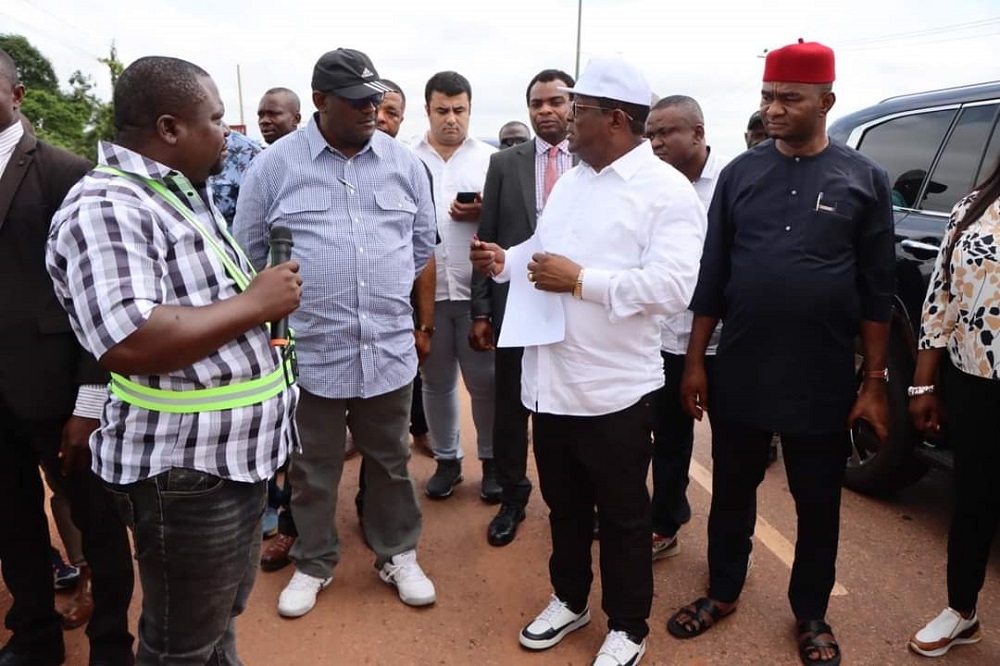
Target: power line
[944,40]
[904,36]
[68,43]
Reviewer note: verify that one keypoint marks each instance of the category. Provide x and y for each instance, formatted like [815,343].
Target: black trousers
[25,544]
[673,441]
[510,428]
[418,422]
[602,461]
[815,466]
[971,403]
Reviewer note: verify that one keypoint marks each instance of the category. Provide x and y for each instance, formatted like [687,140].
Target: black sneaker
[491,491]
[445,478]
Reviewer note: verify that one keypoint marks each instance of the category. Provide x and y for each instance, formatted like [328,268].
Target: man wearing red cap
[798,261]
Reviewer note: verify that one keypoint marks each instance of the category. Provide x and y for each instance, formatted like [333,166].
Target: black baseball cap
[347,73]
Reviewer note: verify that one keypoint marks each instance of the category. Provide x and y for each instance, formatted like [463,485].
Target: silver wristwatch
[914,391]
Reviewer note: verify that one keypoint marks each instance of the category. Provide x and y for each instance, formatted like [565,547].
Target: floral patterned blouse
[963,314]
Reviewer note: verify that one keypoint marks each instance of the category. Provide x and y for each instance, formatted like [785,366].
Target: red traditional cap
[805,62]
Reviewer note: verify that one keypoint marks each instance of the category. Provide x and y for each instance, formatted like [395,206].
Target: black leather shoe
[9,658]
[503,528]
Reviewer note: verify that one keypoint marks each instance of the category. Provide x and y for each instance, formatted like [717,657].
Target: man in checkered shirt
[158,291]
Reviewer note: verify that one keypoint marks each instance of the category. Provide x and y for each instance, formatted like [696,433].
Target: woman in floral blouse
[960,334]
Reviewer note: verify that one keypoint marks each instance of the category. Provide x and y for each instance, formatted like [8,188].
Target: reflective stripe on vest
[192,401]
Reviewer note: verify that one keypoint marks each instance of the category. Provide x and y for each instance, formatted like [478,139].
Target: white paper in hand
[532,317]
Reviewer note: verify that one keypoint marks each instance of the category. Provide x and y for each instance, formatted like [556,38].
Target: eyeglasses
[574,105]
[375,100]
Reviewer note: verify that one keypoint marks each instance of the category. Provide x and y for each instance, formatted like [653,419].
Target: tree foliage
[74,118]
[34,69]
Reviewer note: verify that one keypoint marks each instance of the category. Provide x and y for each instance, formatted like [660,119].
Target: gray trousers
[380,427]
[450,352]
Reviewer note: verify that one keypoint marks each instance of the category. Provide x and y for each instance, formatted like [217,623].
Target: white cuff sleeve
[90,399]
[597,286]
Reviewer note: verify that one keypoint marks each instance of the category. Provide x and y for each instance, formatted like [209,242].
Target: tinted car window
[905,147]
[992,155]
[954,175]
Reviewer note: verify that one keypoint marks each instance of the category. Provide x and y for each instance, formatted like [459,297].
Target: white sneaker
[299,596]
[620,650]
[946,630]
[664,547]
[413,585]
[552,625]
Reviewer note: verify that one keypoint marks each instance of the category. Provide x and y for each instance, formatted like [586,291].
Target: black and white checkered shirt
[116,251]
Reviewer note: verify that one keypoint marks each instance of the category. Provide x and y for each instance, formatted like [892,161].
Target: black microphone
[281,251]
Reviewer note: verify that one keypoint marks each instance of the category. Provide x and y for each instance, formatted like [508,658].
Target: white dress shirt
[464,171]
[676,331]
[637,228]
[8,141]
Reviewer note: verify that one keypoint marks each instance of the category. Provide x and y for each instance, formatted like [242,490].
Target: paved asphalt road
[890,581]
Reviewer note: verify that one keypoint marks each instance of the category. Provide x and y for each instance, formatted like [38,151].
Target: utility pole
[239,88]
[579,23]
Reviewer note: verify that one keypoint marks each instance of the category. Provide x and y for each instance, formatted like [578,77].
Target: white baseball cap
[612,77]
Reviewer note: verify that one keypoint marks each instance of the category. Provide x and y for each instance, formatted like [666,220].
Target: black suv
[936,146]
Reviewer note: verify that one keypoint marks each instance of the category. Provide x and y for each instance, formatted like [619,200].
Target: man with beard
[200,413]
[359,206]
[458,165]
[517,186]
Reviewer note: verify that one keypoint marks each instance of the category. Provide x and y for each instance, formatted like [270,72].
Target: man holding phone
[458,164]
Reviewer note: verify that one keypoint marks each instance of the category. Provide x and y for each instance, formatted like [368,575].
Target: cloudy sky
[709,49]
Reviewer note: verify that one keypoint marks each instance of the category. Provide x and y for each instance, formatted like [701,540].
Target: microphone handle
[281,251]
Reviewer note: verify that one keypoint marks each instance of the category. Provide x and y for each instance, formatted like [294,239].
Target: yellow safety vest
[191,401]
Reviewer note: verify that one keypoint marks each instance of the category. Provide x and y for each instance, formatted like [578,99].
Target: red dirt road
[891,569]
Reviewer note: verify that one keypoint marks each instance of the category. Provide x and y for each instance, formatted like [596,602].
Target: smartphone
[466,197]
[864,432]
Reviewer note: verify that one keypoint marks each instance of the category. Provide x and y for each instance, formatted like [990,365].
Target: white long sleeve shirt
[637,228]
[677,328]
[464,171]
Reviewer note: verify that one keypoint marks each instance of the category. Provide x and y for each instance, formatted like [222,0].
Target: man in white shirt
[676,132]
[458,165]
[620,240]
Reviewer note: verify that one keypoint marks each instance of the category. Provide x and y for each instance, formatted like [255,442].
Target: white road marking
[764,532]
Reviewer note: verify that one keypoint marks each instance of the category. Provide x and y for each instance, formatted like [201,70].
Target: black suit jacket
[41,362]
[508,218]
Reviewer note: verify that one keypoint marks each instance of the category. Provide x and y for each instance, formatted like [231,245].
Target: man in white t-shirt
[676,131]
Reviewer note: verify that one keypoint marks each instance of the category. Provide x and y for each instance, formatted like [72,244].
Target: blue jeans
[197,539]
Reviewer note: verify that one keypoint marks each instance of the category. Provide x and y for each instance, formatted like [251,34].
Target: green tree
[74,119]
[34,69]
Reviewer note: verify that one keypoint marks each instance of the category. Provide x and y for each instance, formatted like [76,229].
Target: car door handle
[919,248]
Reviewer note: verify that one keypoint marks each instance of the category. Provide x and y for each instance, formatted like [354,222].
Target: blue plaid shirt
[226,185]
[363,229]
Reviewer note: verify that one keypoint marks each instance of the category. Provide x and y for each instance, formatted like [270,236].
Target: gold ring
[531,276]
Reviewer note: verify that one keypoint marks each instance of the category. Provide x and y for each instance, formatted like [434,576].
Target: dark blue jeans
[673,440]
[197,538]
